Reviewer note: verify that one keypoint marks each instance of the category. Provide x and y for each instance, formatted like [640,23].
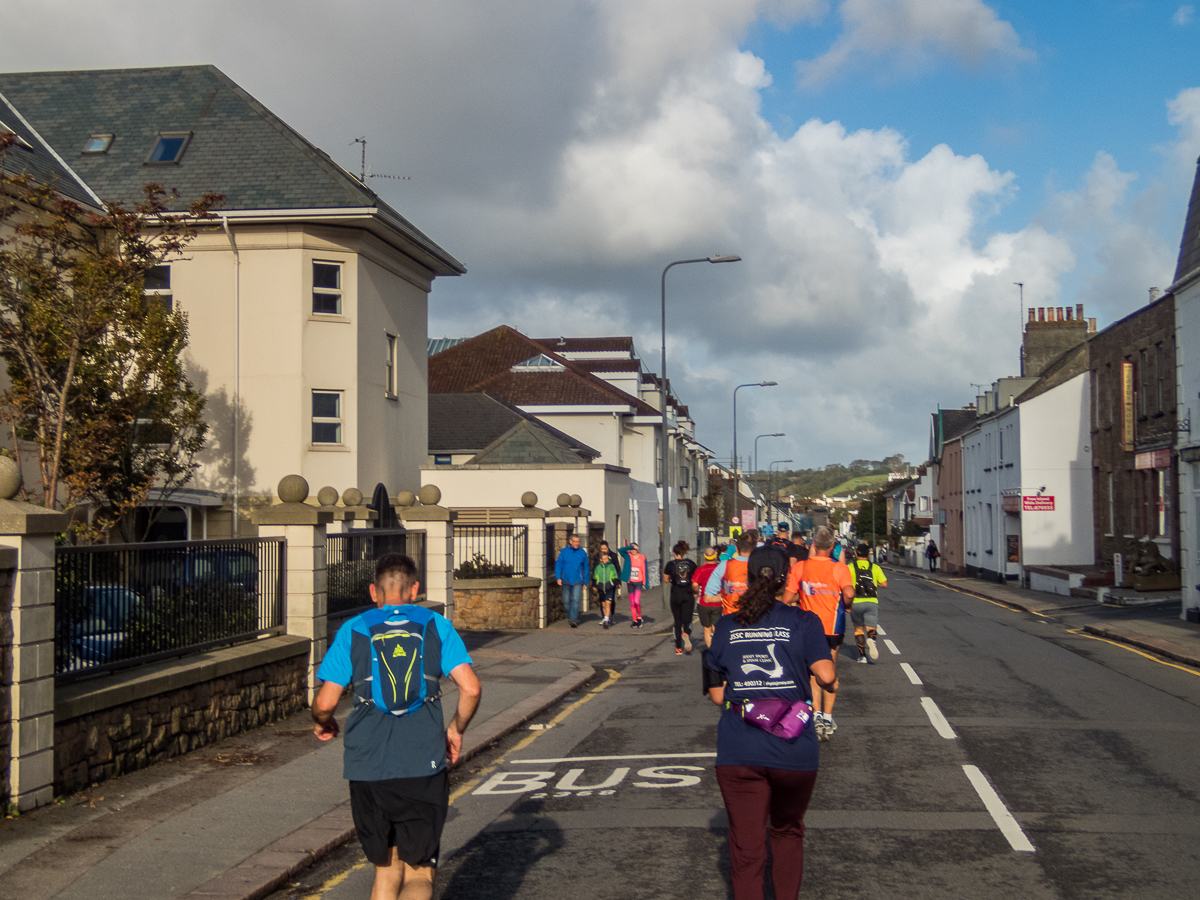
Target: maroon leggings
[754,796]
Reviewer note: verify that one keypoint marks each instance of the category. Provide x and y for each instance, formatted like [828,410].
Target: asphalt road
[989,753]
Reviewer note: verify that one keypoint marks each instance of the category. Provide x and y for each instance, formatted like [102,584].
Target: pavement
[236,820]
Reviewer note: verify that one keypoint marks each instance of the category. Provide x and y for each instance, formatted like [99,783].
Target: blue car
[109,608]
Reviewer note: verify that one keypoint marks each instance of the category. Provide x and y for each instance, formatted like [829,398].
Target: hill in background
[861,475]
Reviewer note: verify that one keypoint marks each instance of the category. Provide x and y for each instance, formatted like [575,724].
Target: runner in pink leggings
[633,573]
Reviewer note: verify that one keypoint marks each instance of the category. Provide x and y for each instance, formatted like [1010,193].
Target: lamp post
[776,434]
[666,476]
[771,484]
[737,473]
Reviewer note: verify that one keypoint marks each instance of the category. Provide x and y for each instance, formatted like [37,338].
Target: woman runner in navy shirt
[766,649]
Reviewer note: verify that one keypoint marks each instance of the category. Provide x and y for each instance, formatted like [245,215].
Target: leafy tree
[97,384]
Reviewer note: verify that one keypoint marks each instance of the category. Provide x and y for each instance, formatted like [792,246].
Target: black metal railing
[350,563]
[119,605]
[491,551]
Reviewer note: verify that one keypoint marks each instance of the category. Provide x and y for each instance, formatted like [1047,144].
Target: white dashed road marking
[995,806]
[937,719]
[882,633]
[563,759]
[911,673]
[892,647]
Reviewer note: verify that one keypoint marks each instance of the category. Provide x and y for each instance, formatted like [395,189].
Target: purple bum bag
[782,718]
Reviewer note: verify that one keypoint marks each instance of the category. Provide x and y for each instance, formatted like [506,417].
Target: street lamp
[666,472]
[737,473]
[776,434]
[770,485]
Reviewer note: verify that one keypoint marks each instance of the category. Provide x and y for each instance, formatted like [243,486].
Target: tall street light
[737,473]
[776,434]
[771,484]
[666,472]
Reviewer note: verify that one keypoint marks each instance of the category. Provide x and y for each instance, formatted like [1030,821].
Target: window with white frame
[158,284]
[327,417]
[327,288]
[391,388]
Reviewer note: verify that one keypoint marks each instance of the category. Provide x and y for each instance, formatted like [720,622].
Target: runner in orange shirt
[825,587]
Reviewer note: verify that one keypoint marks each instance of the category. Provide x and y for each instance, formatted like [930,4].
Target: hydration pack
[864,581]
[406,662]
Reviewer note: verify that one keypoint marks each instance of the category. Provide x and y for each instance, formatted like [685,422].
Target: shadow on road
[493,866]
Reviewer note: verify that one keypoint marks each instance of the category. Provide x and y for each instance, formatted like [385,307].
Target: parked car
[102,632]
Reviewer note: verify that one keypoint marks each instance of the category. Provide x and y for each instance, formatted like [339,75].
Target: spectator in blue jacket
[571,572]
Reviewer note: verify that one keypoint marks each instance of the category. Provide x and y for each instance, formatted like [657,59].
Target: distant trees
[94,363]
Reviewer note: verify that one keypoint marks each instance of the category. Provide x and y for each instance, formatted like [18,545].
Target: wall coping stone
[527,467]
[427,514]
[488,584]
[25,518]
[529,513]
[291,514]
[569,512]
[93,695]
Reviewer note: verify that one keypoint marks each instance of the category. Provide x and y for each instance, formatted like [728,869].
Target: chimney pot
[1092,325]
[1041,314]
[1032,314]
[1079,311]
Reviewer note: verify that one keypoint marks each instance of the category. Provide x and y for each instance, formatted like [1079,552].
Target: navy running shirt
[770,658]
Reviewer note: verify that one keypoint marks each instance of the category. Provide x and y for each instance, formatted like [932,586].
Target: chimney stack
[1153,294]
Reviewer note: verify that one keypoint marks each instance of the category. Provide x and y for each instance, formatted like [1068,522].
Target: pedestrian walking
[864,612]
[932,554]
[678,573]
[708,606]
[396,748]
[571,574]
[633,573]
[606,576]
[825,587]
[763,655]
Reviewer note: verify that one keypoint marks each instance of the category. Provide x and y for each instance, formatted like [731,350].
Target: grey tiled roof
[35,158]
[1189,246]
[471,422]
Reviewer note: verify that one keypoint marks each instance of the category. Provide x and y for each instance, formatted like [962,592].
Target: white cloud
[914,32]
[1184,15]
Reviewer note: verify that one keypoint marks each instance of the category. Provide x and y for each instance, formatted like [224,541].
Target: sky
[887,169]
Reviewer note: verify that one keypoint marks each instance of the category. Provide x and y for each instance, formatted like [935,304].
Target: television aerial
[367,173]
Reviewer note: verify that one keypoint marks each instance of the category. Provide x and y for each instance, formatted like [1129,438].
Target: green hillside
[857,485]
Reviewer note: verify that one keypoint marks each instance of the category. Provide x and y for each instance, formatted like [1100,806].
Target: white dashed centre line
[937,719]
[882,633]
[891,647]
[995,806]
[911,673]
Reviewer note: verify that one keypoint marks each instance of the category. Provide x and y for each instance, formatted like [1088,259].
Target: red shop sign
[1039,503]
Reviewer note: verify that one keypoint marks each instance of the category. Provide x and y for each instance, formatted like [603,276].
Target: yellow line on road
[987,600]
[1149,656]
[469,786]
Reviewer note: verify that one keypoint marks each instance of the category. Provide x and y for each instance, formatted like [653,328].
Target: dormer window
[168,148]
[97,144]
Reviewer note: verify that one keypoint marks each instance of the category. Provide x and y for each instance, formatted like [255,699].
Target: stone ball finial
[576,501]
[564,499]
[429,495]
[352,497]
[529,499]
[327,496]
[10,477]
[293,489]
[406,499]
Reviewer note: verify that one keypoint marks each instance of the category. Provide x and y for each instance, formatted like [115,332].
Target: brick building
[1135,469]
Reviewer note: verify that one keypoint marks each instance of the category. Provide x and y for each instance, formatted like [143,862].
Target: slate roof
[37,159]
[484,364]
[473,423]
[238,147]
[1070,364]
[1189,245]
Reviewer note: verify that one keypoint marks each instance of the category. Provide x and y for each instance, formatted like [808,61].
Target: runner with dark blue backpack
[397,748]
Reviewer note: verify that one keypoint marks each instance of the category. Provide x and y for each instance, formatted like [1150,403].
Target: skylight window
[539,363]
[168,148]
[97,144]
[17,139]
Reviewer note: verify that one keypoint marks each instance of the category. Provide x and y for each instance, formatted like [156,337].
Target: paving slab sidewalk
[1155,628]
[237,819]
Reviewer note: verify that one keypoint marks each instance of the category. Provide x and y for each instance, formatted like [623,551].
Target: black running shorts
[835,640]
[405,813]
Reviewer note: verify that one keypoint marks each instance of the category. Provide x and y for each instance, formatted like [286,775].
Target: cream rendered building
[307,295]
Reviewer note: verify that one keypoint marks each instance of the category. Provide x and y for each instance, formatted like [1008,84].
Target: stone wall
[495,604]
[96,738]
[6,678]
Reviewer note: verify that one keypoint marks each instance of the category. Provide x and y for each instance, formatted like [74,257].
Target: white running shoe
[687,643]
[872,648]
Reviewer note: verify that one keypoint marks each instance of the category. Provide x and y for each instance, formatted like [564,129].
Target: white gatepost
[535,543]
[438,524]
[30,531]
[303,529]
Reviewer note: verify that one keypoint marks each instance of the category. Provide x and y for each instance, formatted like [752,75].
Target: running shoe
[641,622]
[605,622]
[687,642]
[862,661]
[679,651]
[822,734]
[574,624]
[830,726]
[633,624]
[872,648]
